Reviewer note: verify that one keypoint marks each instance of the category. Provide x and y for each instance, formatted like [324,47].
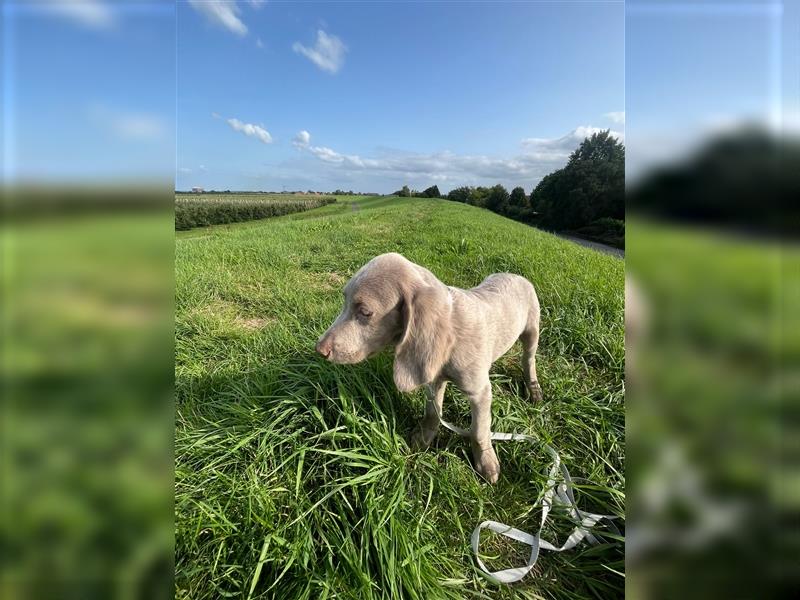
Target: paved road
[619,253]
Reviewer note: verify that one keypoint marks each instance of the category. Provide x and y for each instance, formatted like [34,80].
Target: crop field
[294,478]
[202,210]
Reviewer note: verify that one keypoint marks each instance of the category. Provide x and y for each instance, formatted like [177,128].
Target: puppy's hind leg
[530,343]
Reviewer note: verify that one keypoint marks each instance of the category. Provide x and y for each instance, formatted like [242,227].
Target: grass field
[712,429]
[294,478]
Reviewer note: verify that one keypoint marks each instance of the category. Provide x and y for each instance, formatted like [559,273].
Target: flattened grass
[293,476]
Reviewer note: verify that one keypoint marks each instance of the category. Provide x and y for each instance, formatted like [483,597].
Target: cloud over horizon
[328,52]
[562,147]
[538,157]
[251,130]
[616,116]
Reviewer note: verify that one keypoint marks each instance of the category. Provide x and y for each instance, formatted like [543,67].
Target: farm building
[197,190]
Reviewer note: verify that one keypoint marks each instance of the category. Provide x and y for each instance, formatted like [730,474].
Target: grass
[87,405]
[294,478]
[721,313]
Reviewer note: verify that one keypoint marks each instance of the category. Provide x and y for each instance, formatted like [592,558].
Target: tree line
[431,192]
[586,196]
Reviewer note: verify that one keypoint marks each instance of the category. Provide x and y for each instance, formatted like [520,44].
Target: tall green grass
[204,210]
[294,478]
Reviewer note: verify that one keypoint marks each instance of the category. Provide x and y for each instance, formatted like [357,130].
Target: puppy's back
[510,306]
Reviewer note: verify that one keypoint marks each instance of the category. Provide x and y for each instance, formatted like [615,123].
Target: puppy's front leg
[426,431]
[482,451]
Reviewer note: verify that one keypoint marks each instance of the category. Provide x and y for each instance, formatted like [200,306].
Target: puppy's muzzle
[325,346]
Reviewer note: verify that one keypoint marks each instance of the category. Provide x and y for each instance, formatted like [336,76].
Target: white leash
[556,493]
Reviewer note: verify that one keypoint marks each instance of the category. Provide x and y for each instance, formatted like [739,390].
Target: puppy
[440,334]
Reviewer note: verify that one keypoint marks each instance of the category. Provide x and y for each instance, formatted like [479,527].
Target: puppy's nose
[324,347]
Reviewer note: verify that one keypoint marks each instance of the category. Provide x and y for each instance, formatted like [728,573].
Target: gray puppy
[440,334]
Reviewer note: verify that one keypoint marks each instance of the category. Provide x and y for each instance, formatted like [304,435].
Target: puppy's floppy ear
[427,337]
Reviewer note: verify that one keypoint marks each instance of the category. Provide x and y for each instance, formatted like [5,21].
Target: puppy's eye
[364,311]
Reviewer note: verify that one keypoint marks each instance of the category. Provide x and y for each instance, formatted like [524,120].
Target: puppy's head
[371,318]
[392,302]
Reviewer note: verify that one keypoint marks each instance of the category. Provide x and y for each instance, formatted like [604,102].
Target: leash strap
[555,494]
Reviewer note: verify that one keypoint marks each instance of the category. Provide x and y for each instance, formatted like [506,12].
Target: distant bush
[606,231]
[518,198]
[459,194]
[203,211]
[497,199]
[521,213]
[431,192]
[478,196]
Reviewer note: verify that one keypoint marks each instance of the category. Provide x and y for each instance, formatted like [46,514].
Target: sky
[696,70]
[88,91]
[374,96]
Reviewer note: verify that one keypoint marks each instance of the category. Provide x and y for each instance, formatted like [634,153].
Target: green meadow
[294,478]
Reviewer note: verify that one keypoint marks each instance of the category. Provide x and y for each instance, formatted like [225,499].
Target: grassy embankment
[293,476]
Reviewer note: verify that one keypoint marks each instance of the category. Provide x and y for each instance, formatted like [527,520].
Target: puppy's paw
[421,439]
[486,464]
[535,391]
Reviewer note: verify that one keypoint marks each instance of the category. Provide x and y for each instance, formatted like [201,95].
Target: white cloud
[617,116]
[538,157]
[562,147]
[256,3]
[222,12]
[93,14]
[259,43]
[250,130]
[328,53]
[302,139]
[134,127]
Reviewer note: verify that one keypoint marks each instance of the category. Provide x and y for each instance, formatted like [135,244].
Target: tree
[478,196]
[601,146]
[460,194]
[591,185]
[720,183]
[431,192]
[518,198]
[404,193]
[497,199]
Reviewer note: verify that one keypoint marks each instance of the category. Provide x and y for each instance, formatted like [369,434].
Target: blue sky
[391,93]
[88,91]
[698,69]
